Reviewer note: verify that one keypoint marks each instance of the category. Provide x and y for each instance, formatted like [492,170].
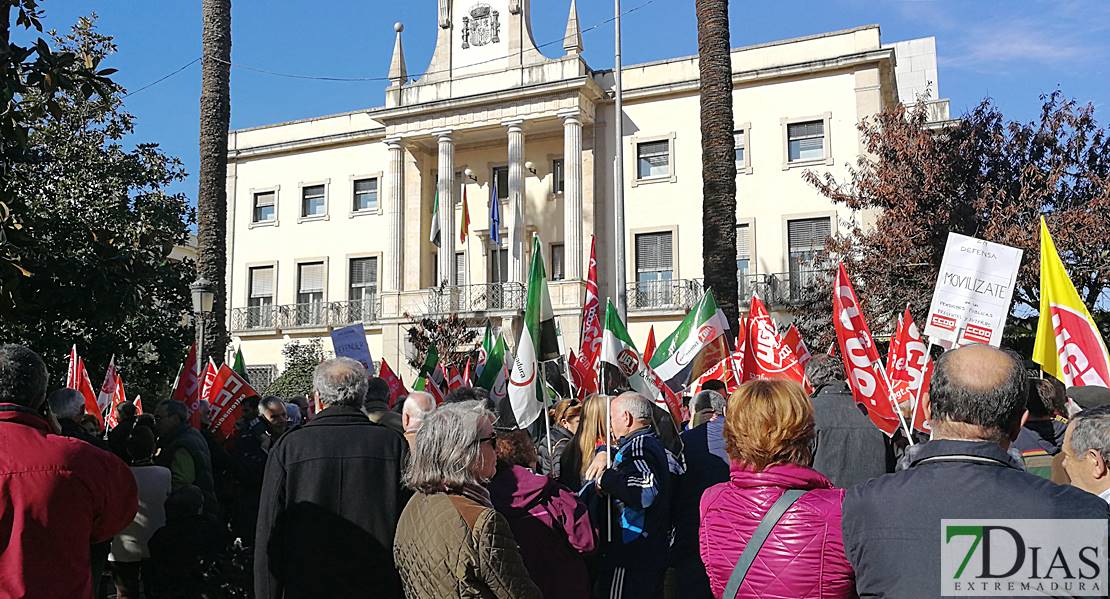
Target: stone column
[516,200]
[446,188]
[395,209]
[572,194]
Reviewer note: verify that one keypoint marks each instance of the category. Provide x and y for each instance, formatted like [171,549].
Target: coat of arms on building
[480,26]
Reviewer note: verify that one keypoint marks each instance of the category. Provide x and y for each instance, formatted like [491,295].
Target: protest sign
[350,342]
[972,296]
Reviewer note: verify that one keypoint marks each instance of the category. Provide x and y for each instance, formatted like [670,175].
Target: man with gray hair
[639,482]
[1086,451]
[706,465]
[68,406]
[335,482]
[418,406]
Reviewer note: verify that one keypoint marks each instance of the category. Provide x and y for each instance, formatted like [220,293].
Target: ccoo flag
[539,342]
[1069,346]
[696,346]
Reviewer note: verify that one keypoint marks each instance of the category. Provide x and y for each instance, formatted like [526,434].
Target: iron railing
[307,315]
[675,294]
[483,297]
[782,288]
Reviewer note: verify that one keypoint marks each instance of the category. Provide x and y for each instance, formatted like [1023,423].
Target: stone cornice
[349,137]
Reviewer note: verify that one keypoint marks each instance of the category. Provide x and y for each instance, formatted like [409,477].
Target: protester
[377,406]
[450,541]
[255,435]
[975,405]
[183,450]
[92,426]
[589,436]
[60,495]
[129,548]
[294,412]
[550,524]
[183,549]
[564,422]
[769,434]
[639,483]
[417,407]
[334,482]
[849,449]
[126,417]
[706,465]
[1086,451]
[68,406]
[1042,431]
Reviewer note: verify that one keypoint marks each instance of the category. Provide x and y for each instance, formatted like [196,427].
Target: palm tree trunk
[718,168]
[215,118]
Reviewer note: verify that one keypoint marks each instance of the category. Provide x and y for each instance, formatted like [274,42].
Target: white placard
[973,292]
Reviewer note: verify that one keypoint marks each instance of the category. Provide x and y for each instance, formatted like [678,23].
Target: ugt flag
[1069,346]
[696,346]
[767,356]
[539,342]
[590,349]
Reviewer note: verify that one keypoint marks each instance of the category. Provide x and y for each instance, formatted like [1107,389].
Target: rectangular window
[362,289]
[654,270]
[261,297]
[366,195]
[743,259]
[806,141]
[264,207]
[653,159]
[460,269]
[498,265]
[310,293]
[741,151]
[312,201]
[500,178]
[806,243]
[558,177]
[558,262]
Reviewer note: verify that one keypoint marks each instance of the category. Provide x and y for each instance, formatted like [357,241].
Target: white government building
[329,218]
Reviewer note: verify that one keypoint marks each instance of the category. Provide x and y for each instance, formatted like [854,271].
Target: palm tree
[718,165]
[215,117]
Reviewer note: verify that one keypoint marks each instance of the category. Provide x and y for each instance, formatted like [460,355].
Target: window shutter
[808,234]
[311,277]
[743,242]
[364,272]
[807,129]
[262,281]
[264,199]
[653,251]
[460,268]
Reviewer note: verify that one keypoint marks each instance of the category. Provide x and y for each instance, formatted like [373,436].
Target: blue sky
[1011,50]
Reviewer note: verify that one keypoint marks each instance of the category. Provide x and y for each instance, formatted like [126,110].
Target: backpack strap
[766,525]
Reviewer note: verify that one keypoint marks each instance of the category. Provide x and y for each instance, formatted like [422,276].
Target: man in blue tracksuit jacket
[639,482]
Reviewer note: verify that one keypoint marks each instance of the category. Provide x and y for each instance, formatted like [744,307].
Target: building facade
[330,219]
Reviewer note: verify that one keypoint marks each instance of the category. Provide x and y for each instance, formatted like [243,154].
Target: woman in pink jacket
[768,435]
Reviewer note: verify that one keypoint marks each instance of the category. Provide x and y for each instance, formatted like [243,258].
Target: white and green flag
[539,342]
[434,237]
[617,349]
[696,346]
[493,365]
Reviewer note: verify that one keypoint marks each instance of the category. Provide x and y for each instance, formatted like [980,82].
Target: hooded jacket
[552,527]
[804,555]
[640,484]
[57,496]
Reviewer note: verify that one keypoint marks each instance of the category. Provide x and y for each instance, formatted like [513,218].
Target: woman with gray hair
[450,541]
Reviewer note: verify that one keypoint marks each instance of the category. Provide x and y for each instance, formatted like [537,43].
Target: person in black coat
[892,524]
[849,448]
[331,499]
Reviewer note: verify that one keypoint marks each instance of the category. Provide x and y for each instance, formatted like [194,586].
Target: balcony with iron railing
[777,289]
[482,297]
[673,294]
[306,316]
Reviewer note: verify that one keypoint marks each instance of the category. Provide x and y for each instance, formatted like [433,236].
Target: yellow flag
[1069,345]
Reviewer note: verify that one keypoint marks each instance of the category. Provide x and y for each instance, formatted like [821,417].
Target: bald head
[980,386]
[418,406]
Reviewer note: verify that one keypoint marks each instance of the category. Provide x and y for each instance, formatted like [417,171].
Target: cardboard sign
[972,297]
[350,342]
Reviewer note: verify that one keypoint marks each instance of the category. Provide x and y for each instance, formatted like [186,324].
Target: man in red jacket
[57,495]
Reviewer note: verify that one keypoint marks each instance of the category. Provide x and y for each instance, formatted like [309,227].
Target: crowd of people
[768,492]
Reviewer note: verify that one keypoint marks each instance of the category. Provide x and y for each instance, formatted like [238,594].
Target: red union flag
[118,399]
[108,387]
[396,385]
[590,352]
[910,367]
[861,358]
[228,392]
[766,355]
[1069,346]
[186,387]
[793,340]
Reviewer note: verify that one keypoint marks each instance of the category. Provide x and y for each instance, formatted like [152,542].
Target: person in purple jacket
[551,525]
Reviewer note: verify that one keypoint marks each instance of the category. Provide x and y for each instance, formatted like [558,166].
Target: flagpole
[921,387]
[894,404]
[618,168]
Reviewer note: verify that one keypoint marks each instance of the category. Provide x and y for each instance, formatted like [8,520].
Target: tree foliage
[452,337]
[95,233]
[301,359]
[984,176]
[31,79]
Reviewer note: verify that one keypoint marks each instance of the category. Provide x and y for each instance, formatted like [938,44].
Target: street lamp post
[203,298]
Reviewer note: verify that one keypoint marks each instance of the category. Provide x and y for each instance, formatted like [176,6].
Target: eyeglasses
[490,439]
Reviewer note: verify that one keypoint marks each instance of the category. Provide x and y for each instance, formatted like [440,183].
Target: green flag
[487,343]
[493,368]
[430,362]
[239,365]
[698,344]
[538,342]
